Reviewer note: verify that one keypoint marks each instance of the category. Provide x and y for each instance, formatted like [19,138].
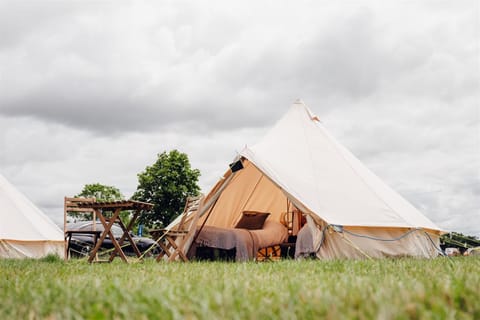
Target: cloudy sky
[93,91]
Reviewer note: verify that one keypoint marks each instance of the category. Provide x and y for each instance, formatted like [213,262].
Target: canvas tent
[25,231]
[298,163]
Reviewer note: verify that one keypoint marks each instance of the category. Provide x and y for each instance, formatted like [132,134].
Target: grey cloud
[22,19]
[86,82]
[102,107]
[344,60]
[273,77]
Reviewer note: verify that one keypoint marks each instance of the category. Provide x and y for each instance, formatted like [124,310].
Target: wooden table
[108,214]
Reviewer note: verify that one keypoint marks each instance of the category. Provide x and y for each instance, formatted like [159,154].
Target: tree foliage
[101,192]
[167,184]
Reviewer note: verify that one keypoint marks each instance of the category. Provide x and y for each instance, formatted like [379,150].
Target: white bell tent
[298,162]
[25,231]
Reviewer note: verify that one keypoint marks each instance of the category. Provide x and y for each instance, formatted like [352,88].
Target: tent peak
[300,103]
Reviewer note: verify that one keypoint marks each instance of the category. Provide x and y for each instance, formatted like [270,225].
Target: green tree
[101,193]
[166,184]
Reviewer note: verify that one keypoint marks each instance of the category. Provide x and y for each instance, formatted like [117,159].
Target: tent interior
[305,234]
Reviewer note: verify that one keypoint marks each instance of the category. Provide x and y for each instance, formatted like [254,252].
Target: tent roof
[303,159]
[21,219]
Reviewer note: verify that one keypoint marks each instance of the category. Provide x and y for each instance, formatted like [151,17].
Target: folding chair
[71,205]
[176,241]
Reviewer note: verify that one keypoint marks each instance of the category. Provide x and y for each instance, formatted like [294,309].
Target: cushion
[252,220]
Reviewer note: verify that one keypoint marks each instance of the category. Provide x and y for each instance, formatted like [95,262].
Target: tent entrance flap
[248,189]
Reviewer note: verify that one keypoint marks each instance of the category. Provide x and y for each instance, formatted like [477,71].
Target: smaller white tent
[25,231]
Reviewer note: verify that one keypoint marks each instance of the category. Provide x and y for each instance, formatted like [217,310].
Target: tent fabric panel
[309,166]
[25,222]
[30,249]
[223,214]
[343,245]
[332,203]
[25,231]
[395,202]
[301,157]
[248,190]
[21,219]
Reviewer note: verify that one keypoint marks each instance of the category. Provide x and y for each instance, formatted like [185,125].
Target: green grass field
[442,288]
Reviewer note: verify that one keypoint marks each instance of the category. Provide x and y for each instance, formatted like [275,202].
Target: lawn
[442,288]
